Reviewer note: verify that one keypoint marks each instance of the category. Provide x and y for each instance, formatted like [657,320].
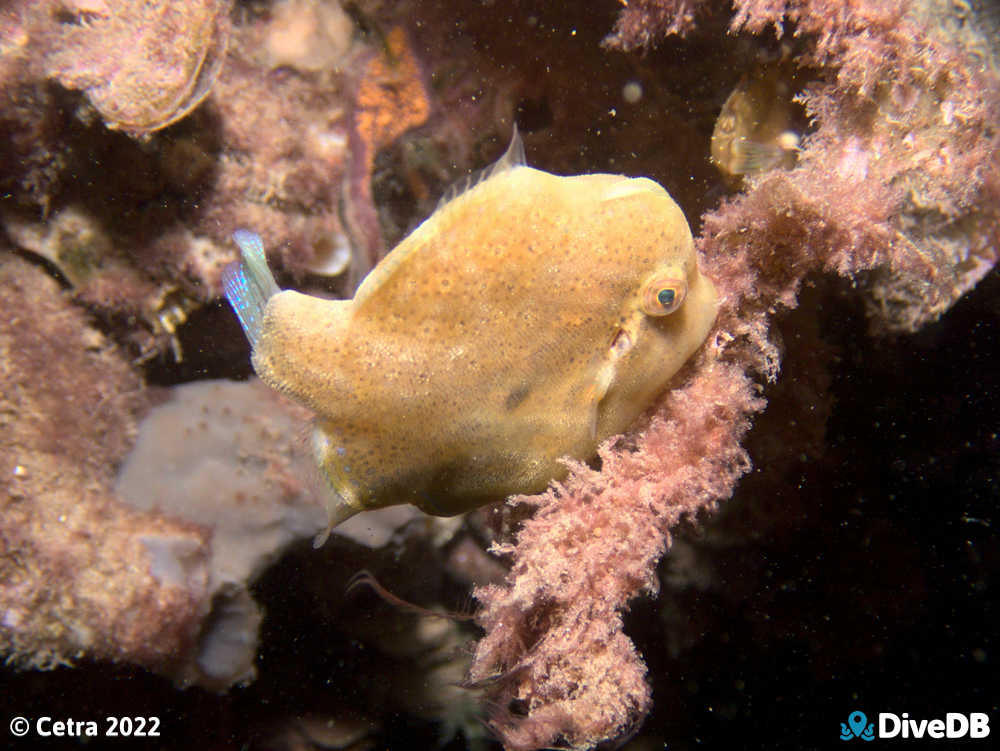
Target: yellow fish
[528,319]
[754,131]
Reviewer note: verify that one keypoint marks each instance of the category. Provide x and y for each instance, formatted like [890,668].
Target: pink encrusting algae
[554,632]
[896,188]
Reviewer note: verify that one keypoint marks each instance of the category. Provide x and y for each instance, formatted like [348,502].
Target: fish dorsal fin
[512,158]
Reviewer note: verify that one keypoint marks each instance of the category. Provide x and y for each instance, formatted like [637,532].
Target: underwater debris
[477,355]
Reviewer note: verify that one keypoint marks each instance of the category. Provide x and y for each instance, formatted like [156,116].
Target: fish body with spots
[528,319]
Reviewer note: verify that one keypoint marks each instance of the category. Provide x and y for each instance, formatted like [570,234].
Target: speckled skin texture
[504,333]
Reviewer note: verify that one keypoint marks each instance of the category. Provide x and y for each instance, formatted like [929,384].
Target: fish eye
[663,294]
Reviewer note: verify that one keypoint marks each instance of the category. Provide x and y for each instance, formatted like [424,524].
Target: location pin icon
[857,721]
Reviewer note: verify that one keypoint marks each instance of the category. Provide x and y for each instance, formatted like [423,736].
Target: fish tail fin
[249,284]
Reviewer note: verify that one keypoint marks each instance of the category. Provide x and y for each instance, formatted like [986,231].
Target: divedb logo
[975,725]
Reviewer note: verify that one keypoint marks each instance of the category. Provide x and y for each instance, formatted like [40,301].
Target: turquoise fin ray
[248,284]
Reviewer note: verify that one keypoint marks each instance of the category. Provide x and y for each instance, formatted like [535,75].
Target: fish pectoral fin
[621,344]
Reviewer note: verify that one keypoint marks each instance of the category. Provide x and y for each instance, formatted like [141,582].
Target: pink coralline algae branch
[555,630]
[897,187]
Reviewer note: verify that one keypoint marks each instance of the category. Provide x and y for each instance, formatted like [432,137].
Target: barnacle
[146,64]
[72,241]
[170,311]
